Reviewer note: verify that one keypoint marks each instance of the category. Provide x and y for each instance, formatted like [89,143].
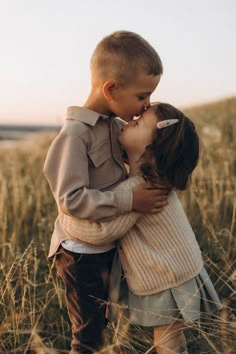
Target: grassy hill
[214,112]
[214,118]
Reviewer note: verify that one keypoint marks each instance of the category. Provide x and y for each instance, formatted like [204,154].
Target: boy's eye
[141,98]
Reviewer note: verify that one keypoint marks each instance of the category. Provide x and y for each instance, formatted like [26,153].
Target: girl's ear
[109,90]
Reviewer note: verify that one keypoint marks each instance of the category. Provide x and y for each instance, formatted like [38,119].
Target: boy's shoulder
[74,128]
[84,124]
[79,120]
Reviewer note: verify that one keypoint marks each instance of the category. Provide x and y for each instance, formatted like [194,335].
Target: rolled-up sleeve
[66,169]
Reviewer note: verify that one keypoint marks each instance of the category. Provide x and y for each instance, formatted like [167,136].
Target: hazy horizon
[32,123]
[46,48]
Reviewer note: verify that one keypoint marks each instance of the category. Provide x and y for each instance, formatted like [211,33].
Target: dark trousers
[86,278]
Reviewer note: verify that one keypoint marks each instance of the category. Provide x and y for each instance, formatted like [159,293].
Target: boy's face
[130,101]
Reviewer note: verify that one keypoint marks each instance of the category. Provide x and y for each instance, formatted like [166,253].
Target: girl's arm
[99,233]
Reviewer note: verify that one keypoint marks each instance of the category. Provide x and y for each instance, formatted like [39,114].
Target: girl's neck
[133,165]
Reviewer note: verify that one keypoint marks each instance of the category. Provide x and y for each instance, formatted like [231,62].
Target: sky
[46,45]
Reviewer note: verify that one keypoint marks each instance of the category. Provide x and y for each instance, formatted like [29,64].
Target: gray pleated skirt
[186,302]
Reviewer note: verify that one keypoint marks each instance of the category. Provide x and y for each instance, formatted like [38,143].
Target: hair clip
[165,123]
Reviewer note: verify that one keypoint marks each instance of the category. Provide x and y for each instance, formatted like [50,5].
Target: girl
[162,278]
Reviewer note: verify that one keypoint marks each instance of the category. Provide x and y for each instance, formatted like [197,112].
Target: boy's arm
[99,233]
[66,168]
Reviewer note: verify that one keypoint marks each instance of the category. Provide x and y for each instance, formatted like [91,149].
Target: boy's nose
[146,104]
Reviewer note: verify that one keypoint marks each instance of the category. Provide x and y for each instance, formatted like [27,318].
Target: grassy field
[33,317]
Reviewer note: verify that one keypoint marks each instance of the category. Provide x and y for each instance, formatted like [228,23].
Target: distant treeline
[16,132]
[28,128]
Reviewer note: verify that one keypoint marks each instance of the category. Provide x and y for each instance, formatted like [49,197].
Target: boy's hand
[148,198]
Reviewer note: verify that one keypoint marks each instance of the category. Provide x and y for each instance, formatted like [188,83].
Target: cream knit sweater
[158,252]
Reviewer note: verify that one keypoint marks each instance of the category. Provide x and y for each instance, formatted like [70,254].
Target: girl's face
[139,133]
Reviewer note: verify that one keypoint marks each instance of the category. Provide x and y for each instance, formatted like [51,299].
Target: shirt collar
[84,115]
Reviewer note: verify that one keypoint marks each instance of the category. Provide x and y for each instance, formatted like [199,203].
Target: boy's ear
[109,89]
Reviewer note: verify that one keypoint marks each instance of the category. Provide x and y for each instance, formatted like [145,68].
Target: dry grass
[33,318]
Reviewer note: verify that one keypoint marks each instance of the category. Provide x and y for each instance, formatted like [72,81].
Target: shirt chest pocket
[99,155]
[101,167]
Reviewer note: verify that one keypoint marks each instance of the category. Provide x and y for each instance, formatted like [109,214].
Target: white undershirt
[79,247]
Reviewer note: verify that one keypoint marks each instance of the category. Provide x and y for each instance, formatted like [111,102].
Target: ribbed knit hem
[159,288]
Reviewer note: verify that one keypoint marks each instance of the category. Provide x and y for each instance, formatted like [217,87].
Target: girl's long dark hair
[174,152]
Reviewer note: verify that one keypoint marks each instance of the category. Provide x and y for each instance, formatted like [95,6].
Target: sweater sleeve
[66,169]
[98,233]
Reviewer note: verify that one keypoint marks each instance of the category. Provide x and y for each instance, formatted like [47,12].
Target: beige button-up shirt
[84,163]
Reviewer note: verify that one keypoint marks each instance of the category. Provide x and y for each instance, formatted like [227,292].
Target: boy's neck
[97,104]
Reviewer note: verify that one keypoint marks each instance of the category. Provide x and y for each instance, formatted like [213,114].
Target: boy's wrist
[124,201]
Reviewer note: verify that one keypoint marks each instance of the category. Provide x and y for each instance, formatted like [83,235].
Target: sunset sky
[46,47]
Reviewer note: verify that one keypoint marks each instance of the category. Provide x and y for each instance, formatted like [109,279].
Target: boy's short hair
[121,55]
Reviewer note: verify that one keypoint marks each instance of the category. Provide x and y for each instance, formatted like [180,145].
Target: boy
[83,165]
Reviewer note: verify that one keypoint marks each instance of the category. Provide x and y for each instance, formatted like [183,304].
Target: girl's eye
[141,98]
